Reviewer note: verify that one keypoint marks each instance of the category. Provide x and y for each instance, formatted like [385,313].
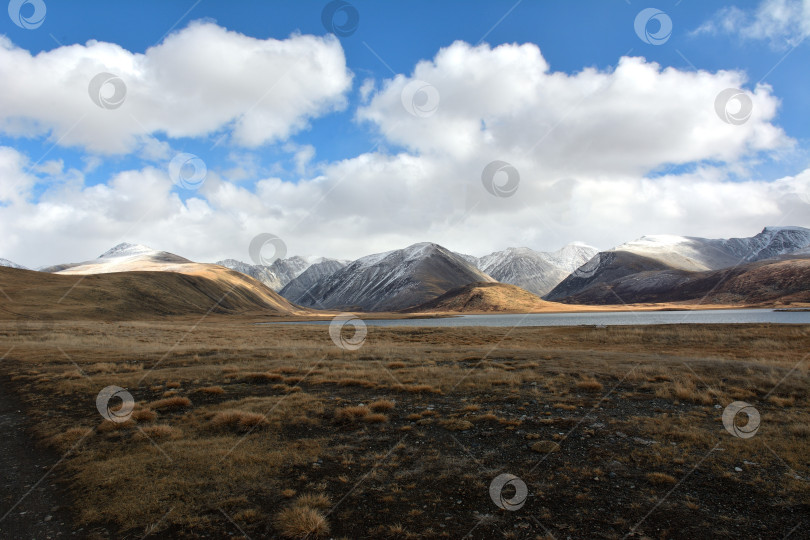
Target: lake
[724,316]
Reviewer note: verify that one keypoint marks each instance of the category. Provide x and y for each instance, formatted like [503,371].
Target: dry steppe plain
[273,431]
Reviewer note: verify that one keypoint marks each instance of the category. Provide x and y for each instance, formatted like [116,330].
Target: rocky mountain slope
[537,272]
[298,290]
[394,280]
[8,264]
[772,281]
[663,252]
[277,275]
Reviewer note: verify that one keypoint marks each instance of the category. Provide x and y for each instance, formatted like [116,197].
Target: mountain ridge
[394,280]
[669,253]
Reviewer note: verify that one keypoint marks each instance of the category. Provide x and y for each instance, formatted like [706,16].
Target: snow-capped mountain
[690,253]
[537,272]
[394,280]
[277,275]
[7,263]
[289,269]
[666,252]
[256,271]
[771,281]
[125,249]
[299,288]
[125,257]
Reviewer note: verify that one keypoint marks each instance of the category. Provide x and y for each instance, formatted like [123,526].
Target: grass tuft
[301,522]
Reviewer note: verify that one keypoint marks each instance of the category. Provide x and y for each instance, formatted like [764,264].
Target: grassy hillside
[129,295]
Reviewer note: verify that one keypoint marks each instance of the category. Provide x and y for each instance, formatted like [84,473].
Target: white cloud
[366,89]
[583,144]
[784,23]
[504,103]
[53,167]
[198,81]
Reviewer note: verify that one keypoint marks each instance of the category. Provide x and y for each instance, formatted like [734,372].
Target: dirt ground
[270,431]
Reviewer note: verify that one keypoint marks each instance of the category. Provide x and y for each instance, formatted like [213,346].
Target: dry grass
[252,442]
[210,390]
[381,405]
[258,378]
[375,418]
[659,478]
[144,415]
[238,420]
[314,500]
[590,384]
[159,431]
[301,522]
[456,424]
[352,413]
[176,402]
[70,437]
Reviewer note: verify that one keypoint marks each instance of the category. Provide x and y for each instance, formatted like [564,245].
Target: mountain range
[772,266]
[393,280]
[665,263]
[282,271]
[8,264]
[536,271]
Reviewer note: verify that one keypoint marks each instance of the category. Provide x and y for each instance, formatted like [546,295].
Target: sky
[348,128]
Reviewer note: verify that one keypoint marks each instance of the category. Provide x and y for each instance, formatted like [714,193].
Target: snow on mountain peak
[125,249]
[10,264]
[788,228]
[655,241]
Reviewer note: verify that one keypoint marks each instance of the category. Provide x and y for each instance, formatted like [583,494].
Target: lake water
[607,318]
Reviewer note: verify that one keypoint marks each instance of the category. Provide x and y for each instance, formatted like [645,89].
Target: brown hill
[126,295]
[763,283]
[488,297]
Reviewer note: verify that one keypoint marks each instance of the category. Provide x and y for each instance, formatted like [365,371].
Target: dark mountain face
[750,283]
[394,280]
[299,289]
[604,267]
[661,253]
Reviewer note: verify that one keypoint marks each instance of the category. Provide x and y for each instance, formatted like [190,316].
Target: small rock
[737,469]
[645,442]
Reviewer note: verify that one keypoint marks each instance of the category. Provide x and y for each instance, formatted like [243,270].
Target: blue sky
[390,40]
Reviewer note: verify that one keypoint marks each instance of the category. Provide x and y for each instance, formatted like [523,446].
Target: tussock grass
[144,415]
[301,522]
[659,478]
[375,418]
[351,413]
[261,377]
[381,405]
[158,431]
[70,437]
[238,420]
[456,424]
[589,384]
[176,402]
[211,390]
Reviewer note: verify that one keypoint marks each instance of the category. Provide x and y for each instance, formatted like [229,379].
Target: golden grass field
[274,432]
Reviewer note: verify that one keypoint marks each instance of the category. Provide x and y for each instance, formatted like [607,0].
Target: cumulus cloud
[504,103]
[784,23]
[595,152]
[198,81]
